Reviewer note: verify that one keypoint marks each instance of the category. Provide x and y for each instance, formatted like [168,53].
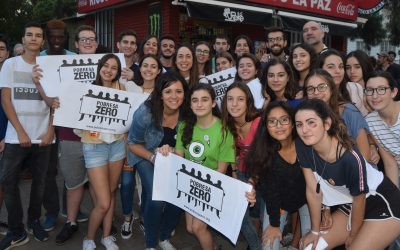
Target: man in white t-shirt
[28,138]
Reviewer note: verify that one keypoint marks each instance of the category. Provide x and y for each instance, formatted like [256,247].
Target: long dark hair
[290,89]
[256,62]
[191,119]
[251,110]
[248,41]
[194,71]
[337,129]
[155,101]
[139,80]
[364,61]
[264,147]
[343,84]
[335,100]
[207,65]
[144,41]
[101,63]
[313,58]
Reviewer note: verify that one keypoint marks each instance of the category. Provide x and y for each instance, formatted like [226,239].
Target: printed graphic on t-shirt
[196,151]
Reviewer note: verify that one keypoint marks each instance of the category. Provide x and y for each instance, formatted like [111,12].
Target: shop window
[104,21]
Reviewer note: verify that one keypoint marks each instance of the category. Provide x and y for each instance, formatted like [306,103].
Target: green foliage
[394,21]
[14,14]
[45,10]
[373,32]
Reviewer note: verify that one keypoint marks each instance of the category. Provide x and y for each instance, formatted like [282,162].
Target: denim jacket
[143,131]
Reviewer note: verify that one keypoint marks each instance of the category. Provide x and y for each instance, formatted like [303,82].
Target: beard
[277,52]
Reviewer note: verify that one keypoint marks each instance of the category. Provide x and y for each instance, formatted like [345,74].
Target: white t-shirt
[32,111]
[256,91]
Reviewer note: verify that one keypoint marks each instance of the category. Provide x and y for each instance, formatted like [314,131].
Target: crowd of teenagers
[314,130]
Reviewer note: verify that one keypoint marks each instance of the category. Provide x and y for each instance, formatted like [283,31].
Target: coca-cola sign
[342,9]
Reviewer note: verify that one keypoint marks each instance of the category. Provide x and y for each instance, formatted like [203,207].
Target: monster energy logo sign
[155,24]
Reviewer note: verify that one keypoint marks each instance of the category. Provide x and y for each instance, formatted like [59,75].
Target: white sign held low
[210,196]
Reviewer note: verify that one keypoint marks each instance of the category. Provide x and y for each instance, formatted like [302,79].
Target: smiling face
[33,39]
[310,127]
[354,70]
[4,53]
[87,43]
[56,41]
[247,69]
[223,63]
[202,53]
[173,96]
[127,45]
[150,47]
[315,82]
[276,42]
[201,103]
[301,59]
[109,71]
[184,60]
[277,78]
[376,101]
[335,67]
[241,47]
[236,103]
[167,48]
[278,131]
[149,69]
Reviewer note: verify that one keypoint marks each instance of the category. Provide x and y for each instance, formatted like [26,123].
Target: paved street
[182,240]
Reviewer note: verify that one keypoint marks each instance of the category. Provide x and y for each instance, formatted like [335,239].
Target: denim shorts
[97,155]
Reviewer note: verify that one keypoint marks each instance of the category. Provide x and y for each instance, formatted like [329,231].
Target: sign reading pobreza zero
[208,195]
[69,68]
[220,81]
[95,108]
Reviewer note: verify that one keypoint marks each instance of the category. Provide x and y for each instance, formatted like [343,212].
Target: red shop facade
[194,20]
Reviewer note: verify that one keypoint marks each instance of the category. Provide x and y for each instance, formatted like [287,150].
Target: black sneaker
[10,241]
[66,232]
[37,230]
[126,228]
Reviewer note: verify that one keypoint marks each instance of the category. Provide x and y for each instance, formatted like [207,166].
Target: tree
[372,32]
[14,14]
[45,10]
[394,21]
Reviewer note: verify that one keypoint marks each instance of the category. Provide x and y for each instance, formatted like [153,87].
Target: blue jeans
[160,218]
[10,169]
[128,183]
[248,229]
[305,223]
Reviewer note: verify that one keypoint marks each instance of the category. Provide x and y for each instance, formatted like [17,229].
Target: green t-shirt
[208,147]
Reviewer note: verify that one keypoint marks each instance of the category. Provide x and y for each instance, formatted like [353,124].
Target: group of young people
[307,129]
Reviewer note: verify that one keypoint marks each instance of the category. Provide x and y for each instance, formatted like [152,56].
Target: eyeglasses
[379,91]
[202,52]
[322,87]
[87,40]
[284,120]
[275,39]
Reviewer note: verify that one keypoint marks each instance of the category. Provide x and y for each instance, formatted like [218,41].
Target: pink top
[243,145]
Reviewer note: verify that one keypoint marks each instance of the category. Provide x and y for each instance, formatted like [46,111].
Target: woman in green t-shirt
[202,139]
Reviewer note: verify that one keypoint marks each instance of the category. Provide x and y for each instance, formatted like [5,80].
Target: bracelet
[314,232]
[152,158]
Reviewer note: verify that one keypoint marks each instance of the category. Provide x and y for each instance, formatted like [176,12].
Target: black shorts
[383,205]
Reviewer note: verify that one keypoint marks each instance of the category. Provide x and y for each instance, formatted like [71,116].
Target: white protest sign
[69,68]
[220,81]
[210,196]
[96,108]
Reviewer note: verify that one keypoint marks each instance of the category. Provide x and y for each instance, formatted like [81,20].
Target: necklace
[318,187]
[242,125]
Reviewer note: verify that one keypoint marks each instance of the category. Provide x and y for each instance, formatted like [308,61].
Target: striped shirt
[387,136]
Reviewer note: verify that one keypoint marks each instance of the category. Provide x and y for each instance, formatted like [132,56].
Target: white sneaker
[108,242]
[166,245]
[151,248]
[88,244]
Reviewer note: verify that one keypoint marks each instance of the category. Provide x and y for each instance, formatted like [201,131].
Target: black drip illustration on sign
[104,107]
[81,71]
[201,190]
[221,79]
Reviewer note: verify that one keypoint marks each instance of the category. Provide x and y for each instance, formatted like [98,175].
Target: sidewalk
[182,240]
